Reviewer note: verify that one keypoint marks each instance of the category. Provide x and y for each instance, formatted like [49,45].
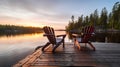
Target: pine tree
[116,13]
[103,19]
[96,17]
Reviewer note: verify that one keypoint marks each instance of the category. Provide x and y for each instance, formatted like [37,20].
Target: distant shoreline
[12,30]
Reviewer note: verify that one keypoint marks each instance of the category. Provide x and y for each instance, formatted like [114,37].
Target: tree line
[12,29]
[102,21]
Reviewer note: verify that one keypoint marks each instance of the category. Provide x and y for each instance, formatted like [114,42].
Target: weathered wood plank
[29,59]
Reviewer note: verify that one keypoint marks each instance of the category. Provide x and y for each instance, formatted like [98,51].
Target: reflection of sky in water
[29,41]
[15,48]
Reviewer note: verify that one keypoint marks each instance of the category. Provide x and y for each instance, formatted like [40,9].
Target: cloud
[30,5]
[41,8]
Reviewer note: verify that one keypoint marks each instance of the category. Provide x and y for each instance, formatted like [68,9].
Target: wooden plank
[29,59]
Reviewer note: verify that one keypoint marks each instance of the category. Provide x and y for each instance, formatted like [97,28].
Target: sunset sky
[55,13]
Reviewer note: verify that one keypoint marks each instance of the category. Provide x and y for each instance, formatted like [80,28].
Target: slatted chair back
[50,34]
[87,33]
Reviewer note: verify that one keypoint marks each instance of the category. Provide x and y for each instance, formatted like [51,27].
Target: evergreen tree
[110,20]
[103,18]
[91,22]
[96,17]
[116,15]
[79,24]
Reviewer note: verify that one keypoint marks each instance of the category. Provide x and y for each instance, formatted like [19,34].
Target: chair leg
[63,43]
[76,43]
[56,47]
[47,44]
[91,45]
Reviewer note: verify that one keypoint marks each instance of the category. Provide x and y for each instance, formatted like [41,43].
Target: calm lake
[16,47]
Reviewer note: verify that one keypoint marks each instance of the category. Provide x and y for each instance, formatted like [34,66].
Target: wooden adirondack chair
[85,36]
[49,32]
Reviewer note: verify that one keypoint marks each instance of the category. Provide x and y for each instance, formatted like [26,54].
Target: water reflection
[16,47]
[107,37]
[13,48]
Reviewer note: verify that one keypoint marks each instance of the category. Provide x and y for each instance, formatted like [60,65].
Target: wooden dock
[106,55]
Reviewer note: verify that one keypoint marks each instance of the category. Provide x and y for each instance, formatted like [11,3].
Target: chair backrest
[87,33]
[49,31]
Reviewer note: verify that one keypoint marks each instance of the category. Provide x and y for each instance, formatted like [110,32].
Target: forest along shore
[12,29]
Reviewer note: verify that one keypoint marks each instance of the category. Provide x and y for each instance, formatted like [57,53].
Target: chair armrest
[90,33]
[64,35]
[61,35]
[76,35]
[48,35]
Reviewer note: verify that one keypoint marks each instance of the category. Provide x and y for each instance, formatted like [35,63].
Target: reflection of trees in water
[105,37]
[113,37]
[16,34]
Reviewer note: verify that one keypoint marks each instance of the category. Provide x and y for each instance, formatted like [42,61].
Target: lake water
[16,47]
